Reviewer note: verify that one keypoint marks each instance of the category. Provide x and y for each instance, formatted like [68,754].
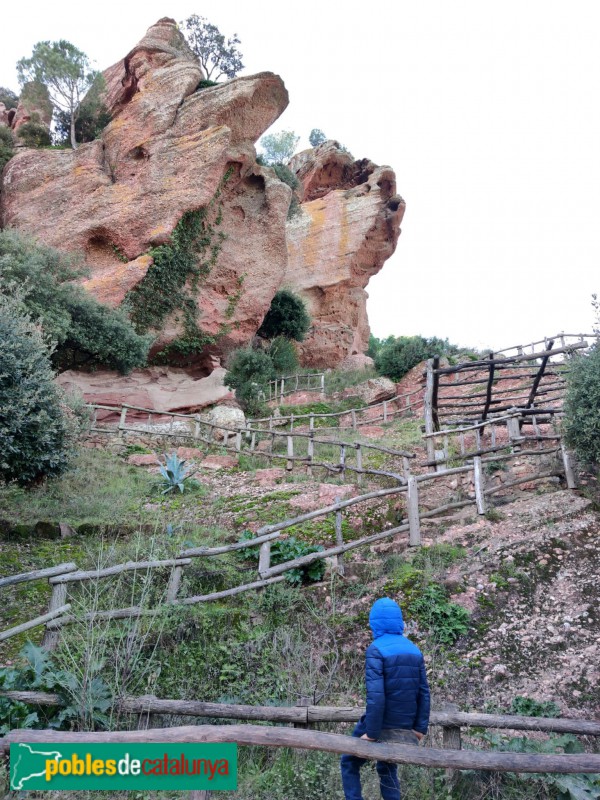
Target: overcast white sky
[489,113]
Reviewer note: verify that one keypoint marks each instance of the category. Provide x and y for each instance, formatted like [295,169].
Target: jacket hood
[386,617]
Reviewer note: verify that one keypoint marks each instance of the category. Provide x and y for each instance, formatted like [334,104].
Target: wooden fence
[288,384]
[449,719]
[397,406]
[271,445]
[530,378]
[252,735]
[472,462]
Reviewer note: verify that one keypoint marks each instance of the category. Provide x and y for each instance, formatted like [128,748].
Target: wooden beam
[538,377]
[250,735]
[37,574]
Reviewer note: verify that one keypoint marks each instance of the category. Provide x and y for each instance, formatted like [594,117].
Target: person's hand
[418,735]
[368,738]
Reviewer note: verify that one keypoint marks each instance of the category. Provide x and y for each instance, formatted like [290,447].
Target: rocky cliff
[178,159]
[348,227]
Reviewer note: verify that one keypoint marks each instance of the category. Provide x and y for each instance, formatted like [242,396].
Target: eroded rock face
[165,152]
[159,388]
[348,226]
[34,106]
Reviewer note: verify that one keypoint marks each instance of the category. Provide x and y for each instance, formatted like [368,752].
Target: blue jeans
[388,773]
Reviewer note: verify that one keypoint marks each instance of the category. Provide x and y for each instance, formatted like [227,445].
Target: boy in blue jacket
[397,698]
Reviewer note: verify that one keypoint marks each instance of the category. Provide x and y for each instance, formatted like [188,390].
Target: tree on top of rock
[316,137]
[216,55]
[278,148]
[8,97]
[65,71]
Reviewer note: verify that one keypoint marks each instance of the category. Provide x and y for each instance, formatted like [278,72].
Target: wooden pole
[264,558]
[359,464]
[122,421]
[343,461]
[569,472]
[479,487]
[339,538]
[33,623]
[174,583]
[249,735]
[310,452]
[413,512]
[57,600]
[37,574]
[429,429]
[290,452]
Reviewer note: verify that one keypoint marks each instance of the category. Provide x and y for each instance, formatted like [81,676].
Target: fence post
[414,531]
[323,384]
[428,409]
[450,737]
[343,461]
[174,584]
[58,599]
[291,422]
[282,388]
[569,473]
[238,441]
[385,410]
[359,465]
[122,421]
[290,453]
[264,558]
[339,539]
[514,432]
[310,452]
[478,482]
[311,422]
[353,412]
[253,441]
[196,428]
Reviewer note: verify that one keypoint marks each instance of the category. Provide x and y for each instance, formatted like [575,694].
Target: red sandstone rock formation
[349,225]
[165,152]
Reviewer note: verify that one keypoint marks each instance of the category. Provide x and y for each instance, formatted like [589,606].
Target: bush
[248,372]
[90,123]
[581,422]
[283,355]
[84,331]
[8,97]
[32,134]
[7,150]
[287,317]
[397,355]
[36,435]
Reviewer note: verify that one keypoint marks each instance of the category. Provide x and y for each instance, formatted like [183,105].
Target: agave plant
[174,472]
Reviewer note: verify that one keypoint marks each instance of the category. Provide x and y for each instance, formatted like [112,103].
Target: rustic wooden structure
[327,742]
[289,384]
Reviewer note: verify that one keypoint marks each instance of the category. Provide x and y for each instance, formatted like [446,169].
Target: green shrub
[288,549]
[248,371]
[287,317]
[85,332]
[581,422]
[7,149]
[32,134]
[286,175]
[397,355]
[283,355]
[91,120]
[528,707]
[8,97]
[36,434]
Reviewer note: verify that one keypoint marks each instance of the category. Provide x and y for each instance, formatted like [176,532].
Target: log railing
[288,384]
[314,714]
[397,406]
[254,442]
[252,735]
[472,462]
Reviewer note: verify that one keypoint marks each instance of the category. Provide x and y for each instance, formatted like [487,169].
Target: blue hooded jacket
[397,689]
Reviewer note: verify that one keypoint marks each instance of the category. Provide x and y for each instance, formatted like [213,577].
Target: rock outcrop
[34,106]
[174,147]
[165,152]
[348,226]
[159,388]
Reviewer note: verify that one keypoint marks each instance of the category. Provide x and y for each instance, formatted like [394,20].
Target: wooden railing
[409,484]
[396,406]
[288,384]
[249,440]
[452,756]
